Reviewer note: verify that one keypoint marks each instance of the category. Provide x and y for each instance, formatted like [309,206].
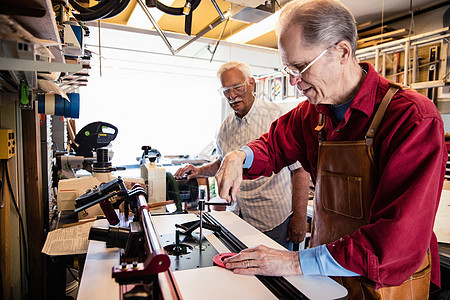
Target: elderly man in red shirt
[375,151]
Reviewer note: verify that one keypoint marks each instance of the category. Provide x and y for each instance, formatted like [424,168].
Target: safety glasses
[295,71]
[238,89]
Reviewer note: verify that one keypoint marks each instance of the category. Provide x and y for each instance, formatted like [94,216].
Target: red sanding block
[218,259]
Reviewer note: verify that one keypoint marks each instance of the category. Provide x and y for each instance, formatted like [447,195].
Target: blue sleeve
[318,261]
[248,157]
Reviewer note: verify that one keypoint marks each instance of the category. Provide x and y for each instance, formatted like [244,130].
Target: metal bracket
[208,28]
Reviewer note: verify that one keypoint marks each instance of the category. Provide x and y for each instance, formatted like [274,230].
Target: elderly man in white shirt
[275,205]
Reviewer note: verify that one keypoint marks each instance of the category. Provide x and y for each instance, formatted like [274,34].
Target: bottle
[156,185]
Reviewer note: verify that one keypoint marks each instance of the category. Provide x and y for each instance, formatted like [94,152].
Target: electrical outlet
[7,143]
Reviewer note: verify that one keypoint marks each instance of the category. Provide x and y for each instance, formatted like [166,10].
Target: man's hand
[188,169]
[229,176]
[262,260]
[297,229]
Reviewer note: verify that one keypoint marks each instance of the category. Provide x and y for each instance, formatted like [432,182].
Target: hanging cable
[2,193]
[99,47]
[412,26]
[21,225]
[382,19]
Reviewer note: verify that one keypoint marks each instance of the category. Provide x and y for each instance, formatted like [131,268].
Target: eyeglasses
[238,89]
[295,72]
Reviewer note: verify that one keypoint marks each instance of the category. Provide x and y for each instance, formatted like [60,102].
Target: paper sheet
[442,223]
[68,241]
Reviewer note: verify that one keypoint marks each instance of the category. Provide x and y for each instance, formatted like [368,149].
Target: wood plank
[374,31]
[34,201]
[400,32]
[5,240]
[373,43]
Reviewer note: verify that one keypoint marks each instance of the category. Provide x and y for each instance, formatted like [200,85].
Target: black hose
[100,11]
[83,9]
[103,10]
[176,11]
[123,4]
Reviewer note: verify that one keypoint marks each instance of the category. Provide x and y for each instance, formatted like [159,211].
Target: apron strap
[380,112]
[320,126]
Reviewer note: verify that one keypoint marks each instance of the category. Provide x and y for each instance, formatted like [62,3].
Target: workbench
[201,283]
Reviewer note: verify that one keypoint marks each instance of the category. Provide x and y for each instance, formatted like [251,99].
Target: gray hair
[243,67]
[322,22]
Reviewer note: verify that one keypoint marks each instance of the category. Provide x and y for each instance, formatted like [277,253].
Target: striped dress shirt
[265,202]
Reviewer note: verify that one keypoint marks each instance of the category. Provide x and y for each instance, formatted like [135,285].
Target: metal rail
[279,286]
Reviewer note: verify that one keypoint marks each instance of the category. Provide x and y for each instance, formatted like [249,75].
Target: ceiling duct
[251,11]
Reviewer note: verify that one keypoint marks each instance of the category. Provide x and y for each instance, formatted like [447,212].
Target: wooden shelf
[18,64]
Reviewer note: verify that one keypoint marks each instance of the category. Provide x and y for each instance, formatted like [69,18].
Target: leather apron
[347,180]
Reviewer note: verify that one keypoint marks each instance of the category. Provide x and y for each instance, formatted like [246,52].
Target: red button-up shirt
[410,156]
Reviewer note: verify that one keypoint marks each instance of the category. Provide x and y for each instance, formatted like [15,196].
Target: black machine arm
[101,195]
[156,260]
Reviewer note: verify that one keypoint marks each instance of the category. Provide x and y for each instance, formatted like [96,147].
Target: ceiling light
[255,30]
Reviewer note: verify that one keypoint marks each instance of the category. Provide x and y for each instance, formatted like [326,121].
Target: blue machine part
[41,104]
[74,105]
[60,105]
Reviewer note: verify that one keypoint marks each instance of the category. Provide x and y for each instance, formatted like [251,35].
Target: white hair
[323,22]
[243,67]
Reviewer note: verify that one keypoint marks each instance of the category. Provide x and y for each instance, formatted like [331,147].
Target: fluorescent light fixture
[139,19]
[255,30]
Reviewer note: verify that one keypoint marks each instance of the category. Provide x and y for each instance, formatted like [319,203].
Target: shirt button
[341,239]
[338,130]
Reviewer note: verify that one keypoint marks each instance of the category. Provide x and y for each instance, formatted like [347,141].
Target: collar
[365,98]
[251,113]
